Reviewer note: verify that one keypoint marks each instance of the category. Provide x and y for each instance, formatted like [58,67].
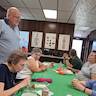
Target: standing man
[9,33]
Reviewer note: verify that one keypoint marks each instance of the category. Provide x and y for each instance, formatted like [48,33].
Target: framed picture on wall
[50,40]
[24,39]
[36,39]
[63,42]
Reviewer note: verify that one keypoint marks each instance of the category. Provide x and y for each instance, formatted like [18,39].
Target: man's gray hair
[12,10]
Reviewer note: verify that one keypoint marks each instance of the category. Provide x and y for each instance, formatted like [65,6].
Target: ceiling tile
[26,14]
[64,20]
[72,18]
[64,14]
[67,4]
[16,3]
[32,3]
[49,4]
[51,20]
[38,14]
[5,4]
[27,17]
[72,21]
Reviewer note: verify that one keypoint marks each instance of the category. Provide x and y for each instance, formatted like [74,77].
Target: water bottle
[60,64]
[45,91]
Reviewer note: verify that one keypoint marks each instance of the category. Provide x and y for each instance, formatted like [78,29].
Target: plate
[68,71]
[29,94]
[40,85]
[22,76]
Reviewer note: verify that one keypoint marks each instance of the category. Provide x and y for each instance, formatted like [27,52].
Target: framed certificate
[50,40]
[36,39]
[63,42]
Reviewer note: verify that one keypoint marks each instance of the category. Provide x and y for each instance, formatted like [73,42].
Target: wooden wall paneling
[2,13]
[47,27]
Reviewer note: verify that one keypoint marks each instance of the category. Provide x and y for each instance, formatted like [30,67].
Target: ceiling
[82,13]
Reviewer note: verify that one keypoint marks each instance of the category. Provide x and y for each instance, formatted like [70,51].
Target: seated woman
[33,61]
[73,62]
[15,63]
[88,87]
[88,70]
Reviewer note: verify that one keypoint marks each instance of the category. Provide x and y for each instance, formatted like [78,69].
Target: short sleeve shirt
[6,77]
[91,84]
[9,40]
[76,62]
[86,71]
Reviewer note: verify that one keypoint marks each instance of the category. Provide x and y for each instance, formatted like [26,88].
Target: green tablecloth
[61,85]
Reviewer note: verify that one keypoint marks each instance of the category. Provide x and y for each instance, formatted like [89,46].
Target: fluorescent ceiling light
[52,14]
[84,28]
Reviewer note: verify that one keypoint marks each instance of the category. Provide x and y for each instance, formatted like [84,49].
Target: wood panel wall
[2,12]
[44,26]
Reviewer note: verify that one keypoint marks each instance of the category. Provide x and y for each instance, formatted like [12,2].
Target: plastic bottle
[45,91]
[60,64]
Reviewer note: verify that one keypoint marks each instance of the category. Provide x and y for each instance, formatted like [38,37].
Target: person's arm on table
[33,67]
[84,86]
[79,81]
[12,90]
[93,76]
[42,65]
[73,70]
[68,63]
